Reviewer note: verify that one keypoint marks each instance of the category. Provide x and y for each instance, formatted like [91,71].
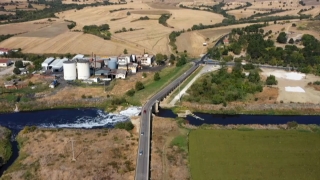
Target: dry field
[314,12]
[309,96]
[16,28]
[233,5]
[23,6]
[192,43]
[186,18]
[198,3]
[167,161]
[241,13]
[100,154]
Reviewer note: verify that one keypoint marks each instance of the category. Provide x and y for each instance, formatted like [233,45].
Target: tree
[139,86]
[156,76]
[275,22]
[18,64]
[172,57]
[182,61]
[16,70]
[125,51]
[282,38]
[271,80]
[128,13]
[159,58]
[130,92]
[291,41]
[165,57]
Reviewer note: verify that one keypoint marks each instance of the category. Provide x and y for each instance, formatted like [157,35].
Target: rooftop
[58,62]
[4,60]
[48,60]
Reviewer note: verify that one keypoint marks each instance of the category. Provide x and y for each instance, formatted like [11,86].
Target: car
[142,133]
[140,153]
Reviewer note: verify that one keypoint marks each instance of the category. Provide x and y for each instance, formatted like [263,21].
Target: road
[143,160]
[8,70]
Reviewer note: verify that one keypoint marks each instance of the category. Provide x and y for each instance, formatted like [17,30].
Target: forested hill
[260,49]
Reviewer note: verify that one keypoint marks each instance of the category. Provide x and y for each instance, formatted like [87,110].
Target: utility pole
[73,159]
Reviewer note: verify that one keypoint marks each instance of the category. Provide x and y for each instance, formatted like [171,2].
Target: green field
[256,154]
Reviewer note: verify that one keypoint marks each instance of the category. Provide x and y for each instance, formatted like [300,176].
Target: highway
[143,160]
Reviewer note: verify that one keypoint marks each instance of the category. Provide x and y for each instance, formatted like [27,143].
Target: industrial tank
[83,67]
[69,70]
[112,64]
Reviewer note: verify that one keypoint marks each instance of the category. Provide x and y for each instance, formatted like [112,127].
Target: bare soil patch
[99,154]
[167,161]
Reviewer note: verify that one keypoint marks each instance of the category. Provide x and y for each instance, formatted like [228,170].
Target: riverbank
[5,145]
[98,154]
[251,109]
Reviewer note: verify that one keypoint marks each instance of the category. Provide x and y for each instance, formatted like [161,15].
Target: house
[147,59]
[124,59]
[4,51]
[226,41]
[132,67]
[57,65]
[46,63]
[4,62]
[121,74]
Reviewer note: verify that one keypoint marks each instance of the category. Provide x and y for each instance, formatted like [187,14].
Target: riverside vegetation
[5,145]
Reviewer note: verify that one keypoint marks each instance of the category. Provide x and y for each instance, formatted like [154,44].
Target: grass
[5,144]
[151,87]
[184,84]
[180,141]
[256,154]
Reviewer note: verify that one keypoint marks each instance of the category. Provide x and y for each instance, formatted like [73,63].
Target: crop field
[16,28]
[254,154]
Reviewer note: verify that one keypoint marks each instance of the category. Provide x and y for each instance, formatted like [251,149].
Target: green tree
[131,92]
[18,64]
[172,57]
[282,38]
[165,57]
[139,86]
[125,51]
[291,41]
[181,61]
[156,76]
[271,80]
[16,70]
[159,58]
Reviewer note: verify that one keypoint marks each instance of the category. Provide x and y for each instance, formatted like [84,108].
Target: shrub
[125,125]
[83,96]
[144,75]
[139,86]
[130,92]
[118,101]
[156,76]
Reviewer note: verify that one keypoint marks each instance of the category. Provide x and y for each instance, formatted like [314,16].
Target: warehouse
[57,65]
[46,63]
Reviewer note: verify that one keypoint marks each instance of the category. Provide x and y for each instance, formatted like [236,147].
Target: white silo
[69,70]
[83,67]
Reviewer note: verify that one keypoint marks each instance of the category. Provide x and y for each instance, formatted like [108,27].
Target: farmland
[257,154]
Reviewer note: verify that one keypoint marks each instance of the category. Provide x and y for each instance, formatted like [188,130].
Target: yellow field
[16,28]
[241,13]
[192,42]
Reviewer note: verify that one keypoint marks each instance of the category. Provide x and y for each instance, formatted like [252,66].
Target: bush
[125,125]
[83,96]
[144,75]
[139,86]
[16,70]
[292,124]
[156,76]
[271,80]
[118,101]
[130,92]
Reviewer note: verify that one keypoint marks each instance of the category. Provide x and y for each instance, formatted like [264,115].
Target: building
[102,72]
[124,59]
[123,67]
[121,74]
[97,64]
[132,67]
[46,63]
[57,65]
[78,56]
[4,62]
[4,51]
[147,59]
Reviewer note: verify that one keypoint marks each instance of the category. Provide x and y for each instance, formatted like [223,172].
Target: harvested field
[192,43]
[186,18]
[16,28]
[232,5]
[168,160]
[241,13]
[151,12]
[314,12]
[49,31]
[69,42]
[99,154]
[256,154]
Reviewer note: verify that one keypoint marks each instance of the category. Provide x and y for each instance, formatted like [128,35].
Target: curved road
[143,159]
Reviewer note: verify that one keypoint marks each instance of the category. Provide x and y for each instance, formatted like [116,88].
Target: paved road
[143,160]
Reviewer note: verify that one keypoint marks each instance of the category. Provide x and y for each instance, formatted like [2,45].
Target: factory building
[46,63]
[147,59]
[133,67]
[124,59]
[70,70]
[57,65]
[121,74]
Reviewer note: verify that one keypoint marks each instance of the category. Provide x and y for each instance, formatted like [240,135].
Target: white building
[4,51]
[78,56]
[121,74]
[147,59]
[4,62]
[57,65]
[124,59]
[47,62]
